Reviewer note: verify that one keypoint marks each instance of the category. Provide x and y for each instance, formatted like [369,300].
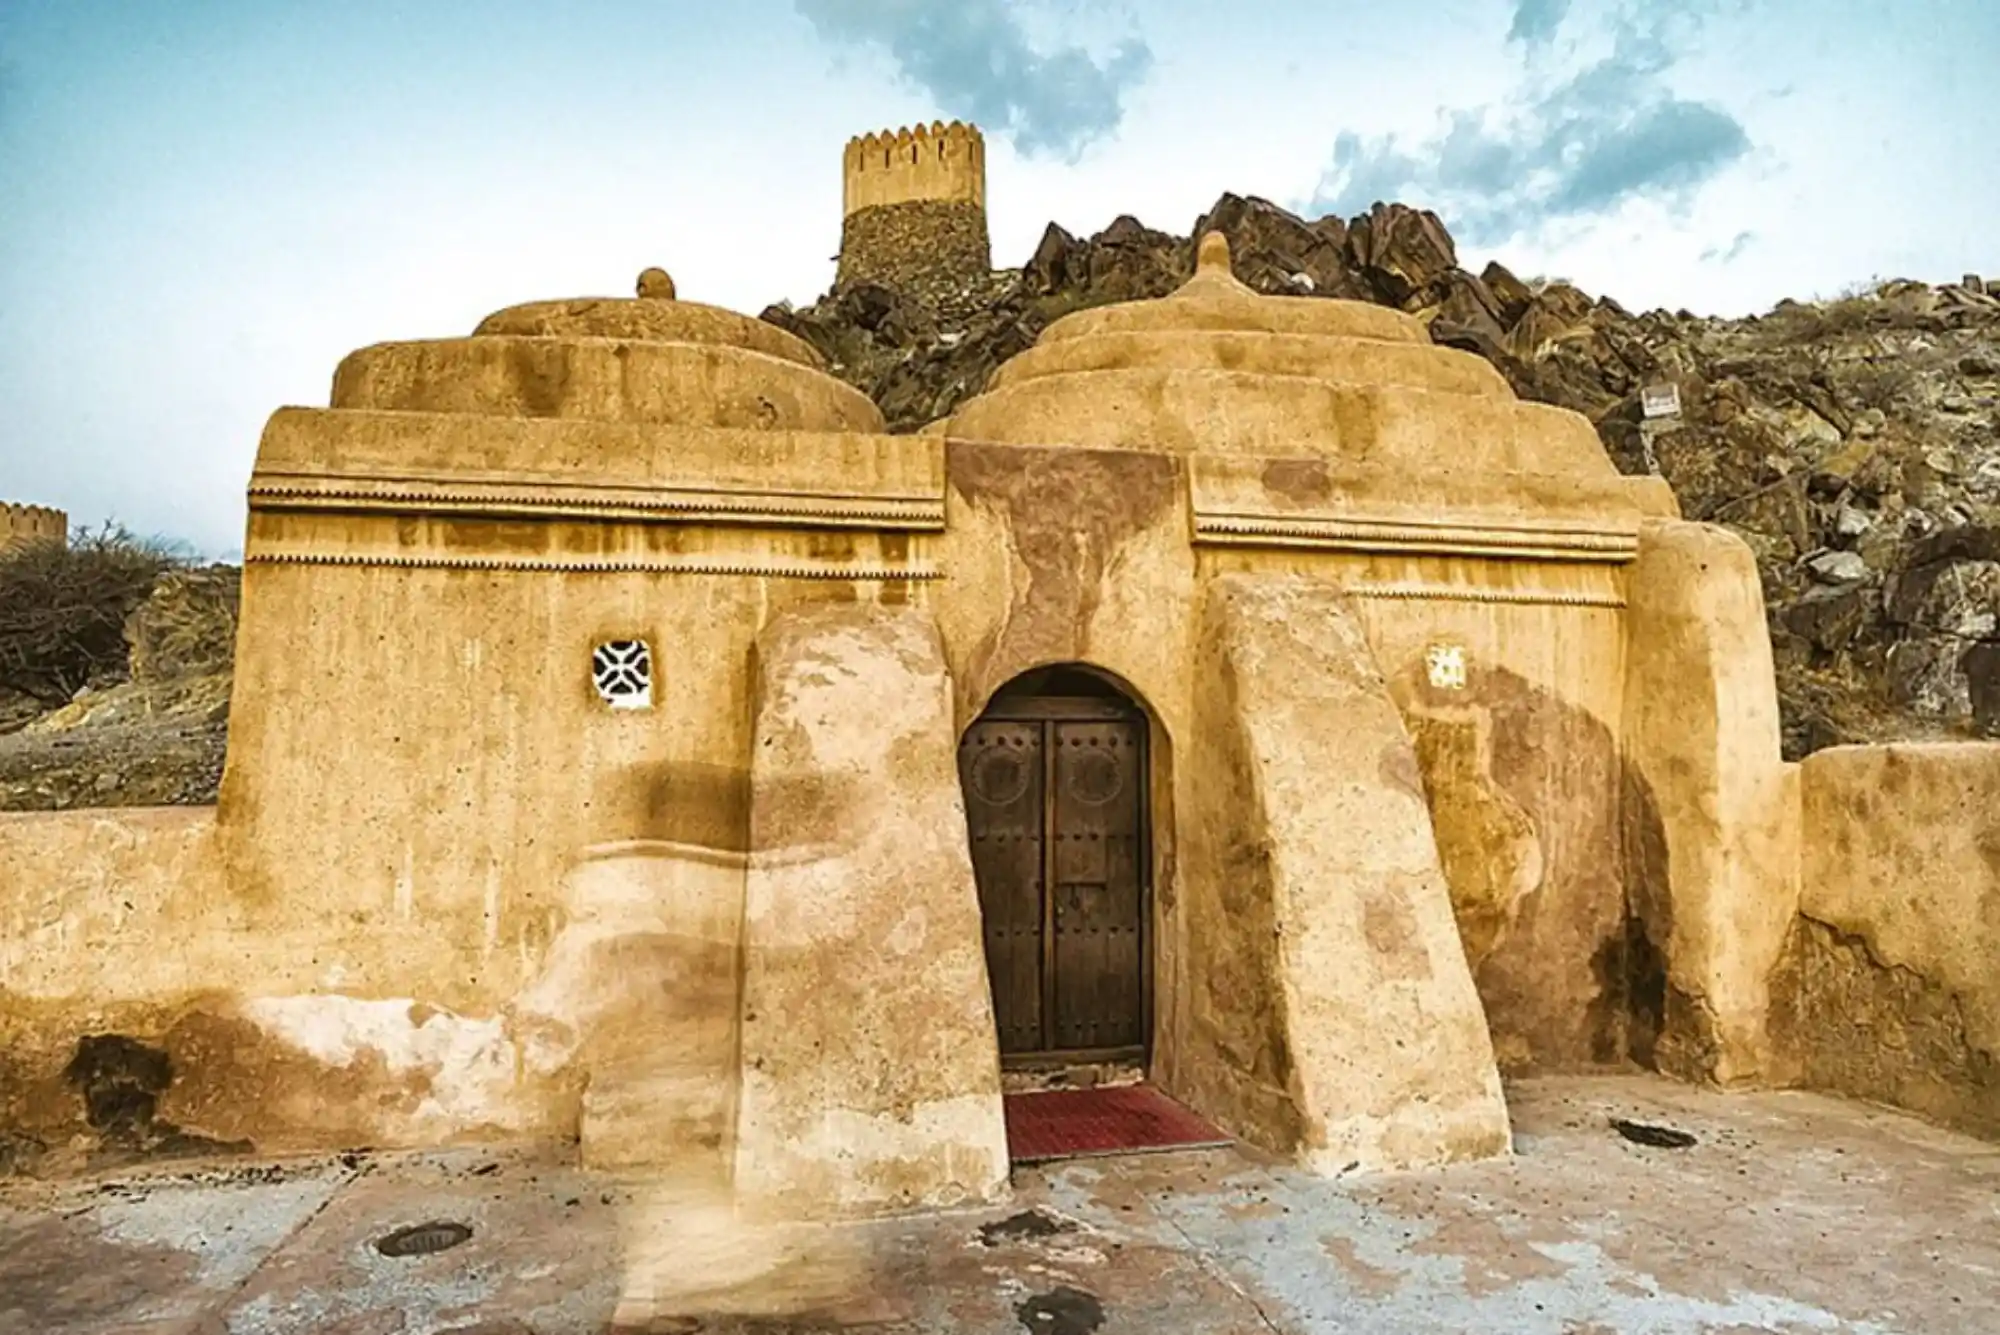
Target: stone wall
[31,523]
[928,249]
[1888,989]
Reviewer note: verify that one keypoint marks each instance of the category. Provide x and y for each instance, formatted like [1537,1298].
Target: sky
[205,204]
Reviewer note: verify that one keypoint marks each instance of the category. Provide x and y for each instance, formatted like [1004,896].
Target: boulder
[1960,598]
[1401,252]
[1512,295]
[1828,618]
[1048,269]
[1468,318]
[1838,568]
[1278,253]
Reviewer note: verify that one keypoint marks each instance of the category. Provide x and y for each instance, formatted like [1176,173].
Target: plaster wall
[1888,988]
[1521,767]
[923,162]
[468,882]
[142,1009]
[1711,806]
[870,1077]
[471,899]
[1313,897]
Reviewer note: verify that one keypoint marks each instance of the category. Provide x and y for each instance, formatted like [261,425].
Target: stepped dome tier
[1219,369]
[650,359]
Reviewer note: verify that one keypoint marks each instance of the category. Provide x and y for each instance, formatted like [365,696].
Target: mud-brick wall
[927,248]
[1889,988]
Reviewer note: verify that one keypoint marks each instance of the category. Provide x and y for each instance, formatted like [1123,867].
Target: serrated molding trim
[688,565]
[1464,593]
[1538,541]
[557,500]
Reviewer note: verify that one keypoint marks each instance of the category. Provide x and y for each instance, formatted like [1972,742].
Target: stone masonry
[914,210]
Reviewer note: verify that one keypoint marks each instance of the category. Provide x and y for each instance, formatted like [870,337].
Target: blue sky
[205,204]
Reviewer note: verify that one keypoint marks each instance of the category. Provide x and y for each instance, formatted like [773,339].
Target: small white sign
[1446,664]
[1660,400]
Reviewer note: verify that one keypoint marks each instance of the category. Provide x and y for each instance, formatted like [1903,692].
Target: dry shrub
[187,625]
[1889,384]
[63,608]
[1845,317]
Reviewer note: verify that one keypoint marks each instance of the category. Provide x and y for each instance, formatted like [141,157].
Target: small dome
[648,320]
[1215,301]
[1217,368]
[648,359]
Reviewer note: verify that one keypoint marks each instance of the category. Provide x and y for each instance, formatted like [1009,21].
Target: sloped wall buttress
[871,1078]
[1333,1016]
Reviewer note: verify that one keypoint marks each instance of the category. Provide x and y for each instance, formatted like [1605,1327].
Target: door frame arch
[1047,698]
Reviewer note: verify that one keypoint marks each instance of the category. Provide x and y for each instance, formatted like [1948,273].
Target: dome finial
[1213,254]
[656,285]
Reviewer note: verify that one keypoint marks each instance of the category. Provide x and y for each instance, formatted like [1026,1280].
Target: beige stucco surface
[1421,672]
[1709,806]
[869,1077]
[1332,1013]
[1891,985]
[921,162]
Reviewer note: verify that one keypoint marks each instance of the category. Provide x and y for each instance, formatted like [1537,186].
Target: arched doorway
[1056,785]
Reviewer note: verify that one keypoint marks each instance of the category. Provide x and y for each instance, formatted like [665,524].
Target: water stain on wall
[1844,1021]
[1533,807]
[1068,513]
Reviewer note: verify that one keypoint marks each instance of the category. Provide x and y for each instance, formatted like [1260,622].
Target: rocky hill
[1854,443]
[148,733]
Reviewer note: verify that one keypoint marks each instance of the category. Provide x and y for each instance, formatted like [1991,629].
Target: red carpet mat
[1071,1123]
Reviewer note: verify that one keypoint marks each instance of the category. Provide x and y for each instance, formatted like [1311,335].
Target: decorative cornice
[595,502]
[674,565]
[1549,542]
[1467,593]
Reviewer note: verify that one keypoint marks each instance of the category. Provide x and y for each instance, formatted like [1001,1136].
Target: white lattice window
[1446,666]
[622,671]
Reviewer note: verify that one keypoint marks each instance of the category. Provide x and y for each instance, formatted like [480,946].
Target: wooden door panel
[1001,766]
[1098,906]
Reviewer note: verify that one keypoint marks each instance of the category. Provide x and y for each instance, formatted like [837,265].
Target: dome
[1216,368]
[648,359]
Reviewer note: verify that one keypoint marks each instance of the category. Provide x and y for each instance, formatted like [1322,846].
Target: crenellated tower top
[31,523]
[914,213]
[939,162]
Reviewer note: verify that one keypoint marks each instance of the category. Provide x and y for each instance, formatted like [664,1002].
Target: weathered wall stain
[1528,796]
[1068,514]
[1299,480]
[1236,1025]
[1887,988]
[1847,1022]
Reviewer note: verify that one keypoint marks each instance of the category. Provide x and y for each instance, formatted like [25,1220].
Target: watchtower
[914,210]
[31,523]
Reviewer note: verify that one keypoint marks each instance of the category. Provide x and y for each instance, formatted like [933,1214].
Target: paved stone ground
[1790,1213]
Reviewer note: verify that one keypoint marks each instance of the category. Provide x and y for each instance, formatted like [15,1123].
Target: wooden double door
[1056,805]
